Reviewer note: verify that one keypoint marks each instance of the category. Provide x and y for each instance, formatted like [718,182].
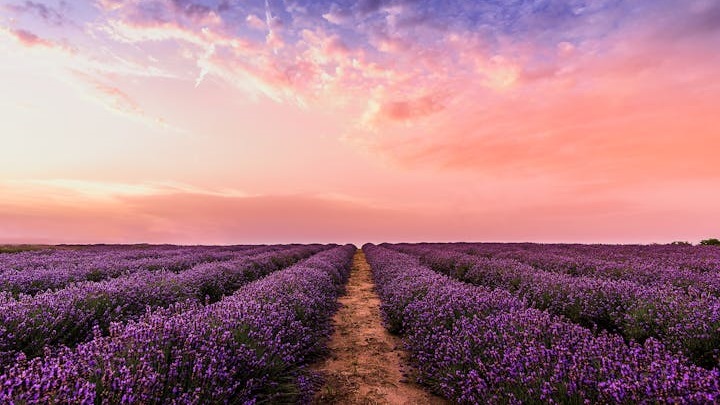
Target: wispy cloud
[94,189]
[47,13]
[152,213]
[27,38]
[158,212]
[539,106]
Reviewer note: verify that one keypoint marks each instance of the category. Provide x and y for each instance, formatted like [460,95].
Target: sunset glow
[275,121]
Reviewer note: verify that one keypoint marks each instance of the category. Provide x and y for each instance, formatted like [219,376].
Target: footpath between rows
[365,364]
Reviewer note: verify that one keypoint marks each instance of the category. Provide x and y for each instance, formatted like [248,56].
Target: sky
[221,122]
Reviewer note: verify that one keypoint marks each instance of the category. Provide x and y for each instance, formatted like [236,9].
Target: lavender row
[250,347]
[698,259]
[38,271]
[586,261]
[684,323]
[693,258]
[68,316]
[475,345]
[636,270]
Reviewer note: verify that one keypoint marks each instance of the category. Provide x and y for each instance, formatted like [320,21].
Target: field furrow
[365,363]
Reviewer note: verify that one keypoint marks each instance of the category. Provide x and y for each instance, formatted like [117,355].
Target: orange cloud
[188,217]
[409,109]
[637,114]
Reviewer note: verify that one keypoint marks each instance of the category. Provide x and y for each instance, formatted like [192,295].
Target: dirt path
[364,365]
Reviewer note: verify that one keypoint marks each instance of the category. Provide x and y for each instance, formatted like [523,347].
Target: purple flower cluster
[685,323]
[51,269]
[670,265]
[694,258]
[472,344]
[700,259]
[30,324]
[250,347]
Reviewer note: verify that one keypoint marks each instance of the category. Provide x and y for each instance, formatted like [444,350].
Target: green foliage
[95,275]
[710,242]
[20,248]
[681,243]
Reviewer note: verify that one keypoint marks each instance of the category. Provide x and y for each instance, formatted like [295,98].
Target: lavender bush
[476,345]
[37,271]
[608,263]
[686,323]
[250,347]
[67,317]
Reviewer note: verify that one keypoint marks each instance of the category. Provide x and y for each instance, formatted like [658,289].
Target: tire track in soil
[364,365]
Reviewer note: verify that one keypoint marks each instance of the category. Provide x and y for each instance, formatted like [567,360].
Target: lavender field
[166,325]
[528,323]
[187,189]
[475,323]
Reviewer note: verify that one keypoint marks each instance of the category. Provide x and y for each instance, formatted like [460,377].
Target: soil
[365,362]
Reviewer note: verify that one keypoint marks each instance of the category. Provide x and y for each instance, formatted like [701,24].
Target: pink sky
[189,121]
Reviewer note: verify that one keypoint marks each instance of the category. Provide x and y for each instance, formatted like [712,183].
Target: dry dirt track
[364,365]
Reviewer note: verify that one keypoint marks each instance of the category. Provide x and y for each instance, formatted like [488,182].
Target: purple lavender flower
[246,348]
[473,344]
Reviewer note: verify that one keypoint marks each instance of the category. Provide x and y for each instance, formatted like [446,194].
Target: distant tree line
[705,242]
